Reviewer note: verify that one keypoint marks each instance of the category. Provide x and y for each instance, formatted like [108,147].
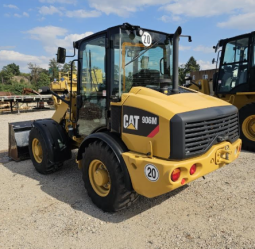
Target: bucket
[19,140]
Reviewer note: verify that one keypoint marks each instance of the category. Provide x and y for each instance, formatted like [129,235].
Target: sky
[31,30]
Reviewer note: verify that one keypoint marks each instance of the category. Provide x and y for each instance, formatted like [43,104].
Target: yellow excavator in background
[235,81]
[136,130]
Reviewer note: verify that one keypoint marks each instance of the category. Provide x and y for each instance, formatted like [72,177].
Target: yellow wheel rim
[37,150]
[248,127]
[99,178]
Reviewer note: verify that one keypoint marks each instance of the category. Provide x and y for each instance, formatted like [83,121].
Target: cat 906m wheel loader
[136,130]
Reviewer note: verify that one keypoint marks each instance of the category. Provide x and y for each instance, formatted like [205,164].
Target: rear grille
[200,136]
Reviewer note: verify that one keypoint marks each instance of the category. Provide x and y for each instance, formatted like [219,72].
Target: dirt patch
[20,78]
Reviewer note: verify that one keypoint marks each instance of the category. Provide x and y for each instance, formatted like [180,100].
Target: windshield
[141,61]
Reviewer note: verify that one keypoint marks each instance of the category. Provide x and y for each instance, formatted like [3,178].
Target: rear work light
[175,175]
[193,169]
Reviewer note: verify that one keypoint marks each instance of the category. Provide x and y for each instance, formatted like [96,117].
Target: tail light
[193,169]
[240,147]
[175,174]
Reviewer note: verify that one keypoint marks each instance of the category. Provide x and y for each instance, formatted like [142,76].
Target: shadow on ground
[67,186]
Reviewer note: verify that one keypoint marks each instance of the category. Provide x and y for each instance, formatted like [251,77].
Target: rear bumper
[218,156]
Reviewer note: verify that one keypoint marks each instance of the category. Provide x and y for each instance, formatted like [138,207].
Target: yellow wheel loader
[136,130]
[235,81]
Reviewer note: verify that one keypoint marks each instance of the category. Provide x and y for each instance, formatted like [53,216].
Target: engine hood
[168,105]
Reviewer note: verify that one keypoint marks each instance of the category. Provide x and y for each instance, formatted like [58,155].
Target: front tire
[247,126]
[39,153]
[104,179]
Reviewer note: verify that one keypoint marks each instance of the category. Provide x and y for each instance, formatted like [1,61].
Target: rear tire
[39,153]
[109,194]
[247,126]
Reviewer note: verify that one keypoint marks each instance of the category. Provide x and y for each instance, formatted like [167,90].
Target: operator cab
[237,65]
[113,61]
[122,57]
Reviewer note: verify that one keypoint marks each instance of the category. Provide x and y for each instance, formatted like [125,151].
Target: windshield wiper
[155,43]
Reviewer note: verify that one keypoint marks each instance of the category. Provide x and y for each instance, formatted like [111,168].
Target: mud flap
[18,140]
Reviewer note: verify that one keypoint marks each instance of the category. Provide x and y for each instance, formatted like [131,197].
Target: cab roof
[125,26]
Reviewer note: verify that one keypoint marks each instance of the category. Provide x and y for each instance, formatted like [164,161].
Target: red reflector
[183,181]
[240,147]
[175,175]
[193,169]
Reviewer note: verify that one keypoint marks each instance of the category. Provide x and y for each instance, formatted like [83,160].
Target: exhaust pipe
[176,60]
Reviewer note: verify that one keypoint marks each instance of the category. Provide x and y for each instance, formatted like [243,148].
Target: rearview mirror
[213,61]
[61,55]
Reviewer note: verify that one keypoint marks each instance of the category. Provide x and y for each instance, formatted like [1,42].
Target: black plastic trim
[116,118]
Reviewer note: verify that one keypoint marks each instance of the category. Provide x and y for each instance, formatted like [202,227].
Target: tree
[14,69]
[67,67]
[184,69]
[182,74]
[6,75]
[54,68]
[43,80]
[35,72]
[8,72]
[191,65]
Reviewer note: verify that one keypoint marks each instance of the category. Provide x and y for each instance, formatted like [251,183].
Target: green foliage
[190,66]
[13,68]
[8,72]
[182,74]
[67,67]
[43,80]
[54,68]
[35,72]
[14,87]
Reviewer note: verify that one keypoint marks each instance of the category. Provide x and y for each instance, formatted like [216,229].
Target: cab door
[92,87]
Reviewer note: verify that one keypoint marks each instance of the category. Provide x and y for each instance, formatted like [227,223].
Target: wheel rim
[37,150]
[99,178]
[248,127]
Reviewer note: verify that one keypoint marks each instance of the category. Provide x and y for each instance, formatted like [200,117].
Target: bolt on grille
[201,135]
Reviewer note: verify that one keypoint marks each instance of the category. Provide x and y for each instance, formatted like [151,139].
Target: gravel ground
[54,211]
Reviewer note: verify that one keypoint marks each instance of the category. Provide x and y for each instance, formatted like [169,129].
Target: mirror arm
[73,53]
[189,37]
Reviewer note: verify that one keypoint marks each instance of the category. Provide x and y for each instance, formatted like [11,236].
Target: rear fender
[55,138]
[117,146]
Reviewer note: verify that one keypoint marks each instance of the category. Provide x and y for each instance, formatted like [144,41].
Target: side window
[93,66]
[93,85]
